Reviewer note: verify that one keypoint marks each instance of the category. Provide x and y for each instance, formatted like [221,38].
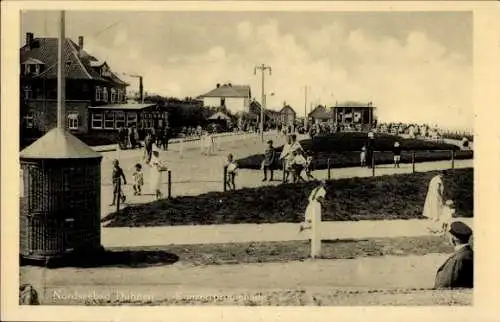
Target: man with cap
[458,270]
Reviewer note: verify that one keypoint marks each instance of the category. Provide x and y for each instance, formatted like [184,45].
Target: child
[231,167]
[362,156]
[308,168]
[138,179]
[299,164]
[268,162]
[397,154]
[117,187]
[447,215]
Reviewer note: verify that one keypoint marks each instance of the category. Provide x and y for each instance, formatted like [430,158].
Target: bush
[343,150]
[386,197]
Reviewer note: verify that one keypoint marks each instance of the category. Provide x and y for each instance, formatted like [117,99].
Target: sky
[414,66]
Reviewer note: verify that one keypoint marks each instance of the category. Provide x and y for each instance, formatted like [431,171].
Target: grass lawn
[399,196]
[343,150]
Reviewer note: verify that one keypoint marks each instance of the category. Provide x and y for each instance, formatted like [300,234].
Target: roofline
[75,53]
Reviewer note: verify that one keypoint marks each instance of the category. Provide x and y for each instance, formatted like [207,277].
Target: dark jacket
[457,271]
[269,156]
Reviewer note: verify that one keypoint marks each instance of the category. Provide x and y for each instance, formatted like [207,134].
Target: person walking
[396,150]
[117,176]
[148,147]
[231,168]
[433,205]
[268,163]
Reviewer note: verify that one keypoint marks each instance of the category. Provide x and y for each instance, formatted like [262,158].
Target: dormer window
[32,67]
[105,71]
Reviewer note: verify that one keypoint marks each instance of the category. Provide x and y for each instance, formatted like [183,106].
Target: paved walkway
[235,233]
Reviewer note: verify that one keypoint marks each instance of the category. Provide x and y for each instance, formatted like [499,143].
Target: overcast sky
[413,66]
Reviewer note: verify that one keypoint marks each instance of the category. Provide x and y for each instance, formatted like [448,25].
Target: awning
[73,116]
[122,106]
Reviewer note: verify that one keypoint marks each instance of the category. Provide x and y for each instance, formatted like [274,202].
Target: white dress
[155,174]
[434,201]
[314,207]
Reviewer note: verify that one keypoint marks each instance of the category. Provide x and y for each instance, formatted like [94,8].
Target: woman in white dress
[157,168]
[433,206]
[313,210]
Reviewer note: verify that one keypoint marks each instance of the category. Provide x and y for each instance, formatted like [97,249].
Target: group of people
[458,270]
[128,137]
[296,161]
[157,168]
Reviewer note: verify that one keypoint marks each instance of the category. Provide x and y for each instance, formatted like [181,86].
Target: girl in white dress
[434,202]
[157,168]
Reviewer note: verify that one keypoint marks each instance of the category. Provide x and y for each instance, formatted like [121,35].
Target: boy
[138,179]
[362,156]
[231,167]
[397,154]
[117,176]
[268,162]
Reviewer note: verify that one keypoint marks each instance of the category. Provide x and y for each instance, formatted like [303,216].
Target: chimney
[218,85]
[80,42]
[29,38]
[230,85]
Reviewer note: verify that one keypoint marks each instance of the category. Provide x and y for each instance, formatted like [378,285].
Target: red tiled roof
[229,91]
[77,61]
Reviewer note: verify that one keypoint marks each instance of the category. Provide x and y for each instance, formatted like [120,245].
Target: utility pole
[305,109]
[262,68]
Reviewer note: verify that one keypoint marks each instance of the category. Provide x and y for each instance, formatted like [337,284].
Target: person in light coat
[433,206]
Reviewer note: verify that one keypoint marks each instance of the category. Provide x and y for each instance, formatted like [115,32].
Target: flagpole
[61,88]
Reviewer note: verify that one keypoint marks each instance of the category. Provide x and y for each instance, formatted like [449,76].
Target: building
[355,115]
[320,114]
[96,98]
[287,115]
[235,98]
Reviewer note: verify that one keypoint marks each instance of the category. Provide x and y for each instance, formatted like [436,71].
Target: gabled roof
[287,107]
[58,144]
[77,61]
[320,112]
[228,90]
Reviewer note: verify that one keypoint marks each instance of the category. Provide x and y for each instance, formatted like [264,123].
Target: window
[131,119]
[97,120]
[119,119]
[105,94]
[72,120]
[28,93]
[29,120]
[120,95]
[109,120]
[113,95]
[97,93]
[33,69]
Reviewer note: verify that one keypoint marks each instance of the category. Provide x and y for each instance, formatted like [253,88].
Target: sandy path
[185,280]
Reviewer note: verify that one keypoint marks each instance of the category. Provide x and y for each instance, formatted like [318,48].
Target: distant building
[96,98]
[287,115]
[356,114]
[235,98]
[321,114]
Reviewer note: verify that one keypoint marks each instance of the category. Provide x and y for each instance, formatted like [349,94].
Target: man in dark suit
[458,270]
